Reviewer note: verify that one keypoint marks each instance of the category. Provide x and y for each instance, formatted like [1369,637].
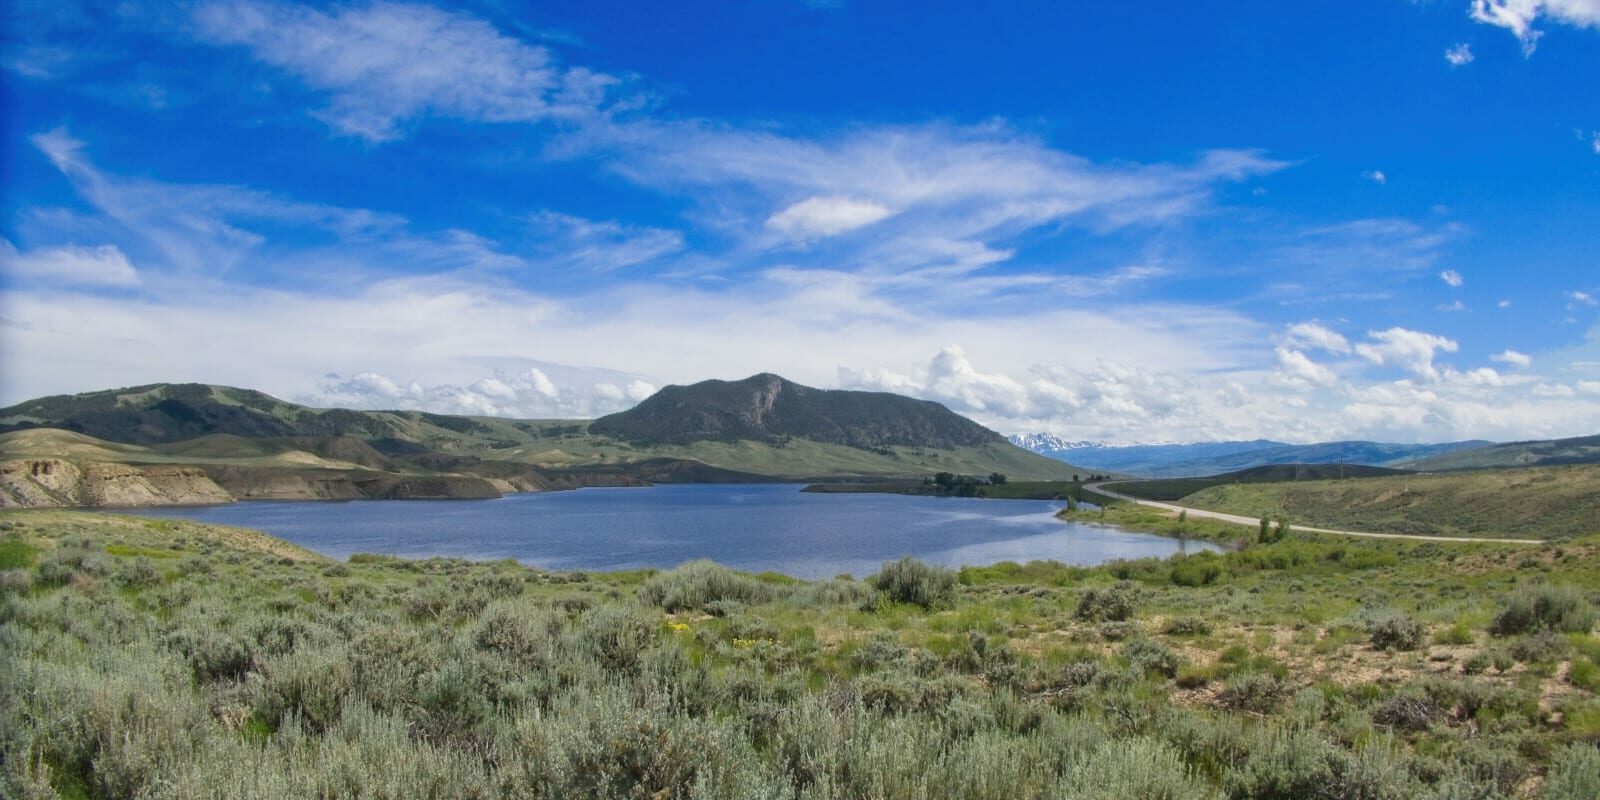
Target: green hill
[1537,502]
[1546,453]
[761,428]
[1167,489]
[766,407]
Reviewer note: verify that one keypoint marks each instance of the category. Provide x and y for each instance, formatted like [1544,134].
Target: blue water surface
[749,527]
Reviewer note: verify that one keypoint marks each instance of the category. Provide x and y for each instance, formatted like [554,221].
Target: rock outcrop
[58,483]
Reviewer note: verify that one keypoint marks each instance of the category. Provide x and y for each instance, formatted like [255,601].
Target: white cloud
[1594,142]
[598,245]
[105,265]
[1453,306]
[1452,277]
[1578,297]
[524,393]
[1519,16]
[1504,304]
[385,64]
[1513,358]
[1460,55]
[825,216]
[1407,349]
[1376,176]
[1310,334]
[1298,370]
[1589,387]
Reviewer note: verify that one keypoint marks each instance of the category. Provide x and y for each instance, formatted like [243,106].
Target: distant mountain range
[191,443]
[1547,453]
[1212,458]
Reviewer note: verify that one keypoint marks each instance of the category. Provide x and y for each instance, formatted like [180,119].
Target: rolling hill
[1550,452]
[1211,458]
[255,445]
[766,407]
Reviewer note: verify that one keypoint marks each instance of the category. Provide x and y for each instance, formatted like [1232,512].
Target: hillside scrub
[166,659]
[1553,503]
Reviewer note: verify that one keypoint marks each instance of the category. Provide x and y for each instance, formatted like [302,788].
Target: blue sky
[1129,222]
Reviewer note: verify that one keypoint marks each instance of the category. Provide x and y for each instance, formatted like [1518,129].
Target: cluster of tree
[949,484]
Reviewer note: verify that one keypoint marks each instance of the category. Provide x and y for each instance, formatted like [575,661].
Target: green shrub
[1574,774]
[1542,647]
[914,582]
[1186,626]
[1113,604]
[694,585]
[1149,655]
[1542,607]
[1256,692]
[1457,634]
[1584,674]
[1140,768]
[1198,570]
[1396,632]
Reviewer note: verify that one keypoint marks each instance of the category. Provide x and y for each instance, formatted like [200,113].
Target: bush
[1539,648]
[1187,626]
[1396,632]
[1408,713]
[694,585]
[1256,692]
[1542,607]
[1114,604]
[914,582]
[1199,570]
[1574,775]
[1148,655]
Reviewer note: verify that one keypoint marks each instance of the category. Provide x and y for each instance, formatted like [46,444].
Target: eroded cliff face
[57,483]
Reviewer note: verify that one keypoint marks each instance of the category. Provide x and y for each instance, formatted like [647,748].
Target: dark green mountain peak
[767,407]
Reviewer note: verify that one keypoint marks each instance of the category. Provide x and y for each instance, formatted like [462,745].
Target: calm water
[756,528]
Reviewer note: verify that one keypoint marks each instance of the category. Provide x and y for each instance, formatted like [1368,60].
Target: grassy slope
[144,655]
[1537,502]
[219,449]
[1577,450]
[539,443]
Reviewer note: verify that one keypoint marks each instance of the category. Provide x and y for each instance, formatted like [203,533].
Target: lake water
[748,527]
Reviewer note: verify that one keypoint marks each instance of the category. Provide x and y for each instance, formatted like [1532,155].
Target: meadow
[1534,502]
[167,659]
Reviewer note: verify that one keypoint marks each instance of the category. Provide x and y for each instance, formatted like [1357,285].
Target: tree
[997,478]
[1266,530]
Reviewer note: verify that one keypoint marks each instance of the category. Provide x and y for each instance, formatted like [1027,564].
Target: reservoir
[748,527]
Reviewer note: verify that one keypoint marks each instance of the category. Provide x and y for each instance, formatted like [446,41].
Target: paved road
[1256,522]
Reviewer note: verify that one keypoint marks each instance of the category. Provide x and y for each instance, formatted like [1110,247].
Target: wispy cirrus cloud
[104,265]
[383,65]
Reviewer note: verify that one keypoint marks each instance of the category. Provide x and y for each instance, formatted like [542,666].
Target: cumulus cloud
[384,64]
[825,216]
[1310,334]
[103,265]
[529,393]
[1297,370]
[1513,358]
[1452,278]
[1407,349]
[1519,16]
[1459,55]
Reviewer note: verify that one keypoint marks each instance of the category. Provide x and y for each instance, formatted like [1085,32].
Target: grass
[186,660]
[1535,502]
